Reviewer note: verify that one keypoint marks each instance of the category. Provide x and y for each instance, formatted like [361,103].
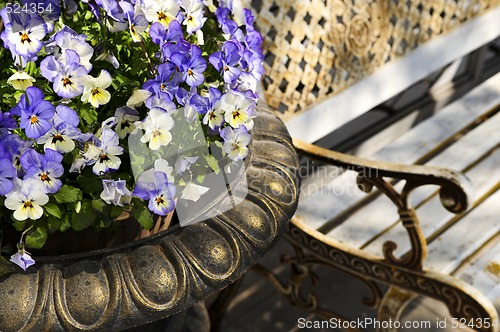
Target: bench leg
[462,300]
[392,306]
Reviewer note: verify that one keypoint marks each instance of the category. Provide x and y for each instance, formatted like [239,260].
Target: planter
[153,278]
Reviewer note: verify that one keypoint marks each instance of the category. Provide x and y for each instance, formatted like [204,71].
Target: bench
[417,210]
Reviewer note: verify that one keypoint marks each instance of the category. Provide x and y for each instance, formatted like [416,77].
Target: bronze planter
[147,280]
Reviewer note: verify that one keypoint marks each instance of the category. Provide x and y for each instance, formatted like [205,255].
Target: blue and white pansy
[118,105]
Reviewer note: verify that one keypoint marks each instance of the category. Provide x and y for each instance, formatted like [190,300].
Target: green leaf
[53,224]
[88,114]
[143,216]
[213,163]
[36,238]
[53,210]
[116,211]
[67,194]
[84,218]
[99,205]
[89,182]
[65,222]
[19,225]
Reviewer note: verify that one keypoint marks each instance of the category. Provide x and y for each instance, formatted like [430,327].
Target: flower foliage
[98,96]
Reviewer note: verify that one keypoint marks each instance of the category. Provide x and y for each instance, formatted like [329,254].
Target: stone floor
[259,307]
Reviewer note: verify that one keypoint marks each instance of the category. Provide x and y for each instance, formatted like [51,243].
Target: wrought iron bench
[331,65]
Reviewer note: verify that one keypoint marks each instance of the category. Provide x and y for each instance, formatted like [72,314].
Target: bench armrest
[454,190]
[455,187]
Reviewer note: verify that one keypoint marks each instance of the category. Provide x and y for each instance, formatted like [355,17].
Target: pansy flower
[22,258]
[46,168]
[137,22]
[138,97]
[163,11]
[191,66]
[35,112]
[125,118]
[67,39]
[66,76]
[214,116]
[158,191]
[27,199]
[25,33]
[20,80]
[227,61]
[108,151]
[12,147]
[7,123]
[183,163]
[115,192]
[193,15]
[156,126]
[161,35]
[165,84]
[236,142]
[238,110]
[61,137]
[193,104]
[7,172]
[95,89]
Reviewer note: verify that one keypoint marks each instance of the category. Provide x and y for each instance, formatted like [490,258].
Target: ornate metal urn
[150,279]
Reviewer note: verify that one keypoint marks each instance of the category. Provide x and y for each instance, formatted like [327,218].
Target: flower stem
[24,233]
[150,64]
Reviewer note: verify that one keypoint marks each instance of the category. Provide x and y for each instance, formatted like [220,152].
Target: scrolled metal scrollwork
[454,189]
[463,300]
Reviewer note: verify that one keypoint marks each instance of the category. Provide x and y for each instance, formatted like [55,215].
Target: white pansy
[95,89]
[236,109]
[26,199]
[157,127]
[163,11]
[214,117]
[20,80]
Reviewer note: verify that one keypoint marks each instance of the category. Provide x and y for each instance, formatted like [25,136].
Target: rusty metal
[150,279]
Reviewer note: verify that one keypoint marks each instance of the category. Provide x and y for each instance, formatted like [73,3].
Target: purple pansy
[12,147]
[108,150]
[224,18]
[35,112]
[65,76]
[160,35]
[46,168]
[7,172]
[166,82]
[7,123]
[24,33]
[158,190]
[64,131]
[22,259]
[227,60]
[191,66]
